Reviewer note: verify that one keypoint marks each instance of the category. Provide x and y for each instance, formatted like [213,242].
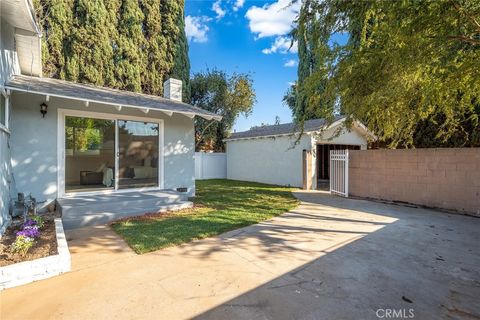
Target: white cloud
[290,63]
[273,19]
[196,28]
[282,45]
[218,10]
[238,4]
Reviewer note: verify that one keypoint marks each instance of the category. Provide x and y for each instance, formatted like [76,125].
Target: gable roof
[89,93]
[281,129]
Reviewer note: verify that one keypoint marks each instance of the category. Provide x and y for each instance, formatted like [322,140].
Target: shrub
[22,244]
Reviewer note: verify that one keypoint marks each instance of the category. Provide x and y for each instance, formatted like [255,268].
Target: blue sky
[248,37]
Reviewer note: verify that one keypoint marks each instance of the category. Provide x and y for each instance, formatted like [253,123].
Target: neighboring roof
[89,93]
[280,129]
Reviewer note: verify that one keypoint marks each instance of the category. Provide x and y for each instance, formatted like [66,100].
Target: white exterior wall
[352,137]
[34,144]
[268,160]
[5,177]
[8,56]
[8,67]
[210,165]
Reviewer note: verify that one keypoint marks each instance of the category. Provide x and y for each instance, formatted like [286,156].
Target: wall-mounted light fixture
[43,109]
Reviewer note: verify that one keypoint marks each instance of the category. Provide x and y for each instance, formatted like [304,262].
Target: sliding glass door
[137,154]
[106,154]
[89,154]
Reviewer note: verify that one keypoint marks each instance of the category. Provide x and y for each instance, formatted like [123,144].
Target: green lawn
[220,206]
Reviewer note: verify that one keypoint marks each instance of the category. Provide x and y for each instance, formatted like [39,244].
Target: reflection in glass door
[137,154]
[89,154]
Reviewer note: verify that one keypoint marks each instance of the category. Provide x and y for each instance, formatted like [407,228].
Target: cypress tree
[56,19]
[181,63]
[157,63]
[91,60]
[112,9]
[131,47]
[127,44]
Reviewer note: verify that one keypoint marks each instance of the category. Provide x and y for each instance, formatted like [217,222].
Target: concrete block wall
[439,178]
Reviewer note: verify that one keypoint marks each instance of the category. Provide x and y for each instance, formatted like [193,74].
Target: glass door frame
[63,113]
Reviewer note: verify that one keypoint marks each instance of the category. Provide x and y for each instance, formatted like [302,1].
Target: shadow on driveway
[331,258]
[424,263]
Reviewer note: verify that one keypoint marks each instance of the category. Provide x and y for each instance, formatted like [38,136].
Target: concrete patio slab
[331,258]
[81,211]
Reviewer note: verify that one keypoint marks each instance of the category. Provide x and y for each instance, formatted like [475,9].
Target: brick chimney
[172,89]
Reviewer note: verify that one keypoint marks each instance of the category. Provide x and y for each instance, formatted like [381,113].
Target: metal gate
[339,172]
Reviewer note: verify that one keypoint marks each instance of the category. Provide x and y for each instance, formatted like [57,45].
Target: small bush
[22,244]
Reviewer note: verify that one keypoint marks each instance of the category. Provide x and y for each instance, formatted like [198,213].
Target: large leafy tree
[222,94]
[410,69]
[127,44]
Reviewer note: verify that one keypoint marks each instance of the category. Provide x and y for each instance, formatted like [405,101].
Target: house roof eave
[107,96]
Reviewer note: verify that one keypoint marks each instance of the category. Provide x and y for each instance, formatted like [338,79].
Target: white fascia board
[31,15]
[210,117]
[269,136]
[364,130]
[357,125]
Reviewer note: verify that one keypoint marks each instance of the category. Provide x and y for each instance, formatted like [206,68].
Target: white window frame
[6,127]
[62,113]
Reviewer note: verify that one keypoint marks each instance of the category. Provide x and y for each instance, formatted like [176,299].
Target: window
[3,110]
[87,136]
[89,154]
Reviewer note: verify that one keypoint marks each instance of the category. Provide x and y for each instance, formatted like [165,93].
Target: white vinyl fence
[210,165]
[339,172]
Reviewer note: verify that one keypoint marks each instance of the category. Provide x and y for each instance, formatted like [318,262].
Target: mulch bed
[45,245]
[156,215]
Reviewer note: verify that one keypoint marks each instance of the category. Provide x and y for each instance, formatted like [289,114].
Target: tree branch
[203,132]
[466,14]
[464,39]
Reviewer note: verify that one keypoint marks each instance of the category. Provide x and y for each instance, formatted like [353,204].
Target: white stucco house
[60,139]
[274,154]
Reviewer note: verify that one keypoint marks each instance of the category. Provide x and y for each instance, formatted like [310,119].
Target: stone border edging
[29,271]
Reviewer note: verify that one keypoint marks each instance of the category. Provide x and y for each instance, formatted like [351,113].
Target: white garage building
[269,154]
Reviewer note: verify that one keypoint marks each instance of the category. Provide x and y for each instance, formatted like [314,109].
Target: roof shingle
[280,129]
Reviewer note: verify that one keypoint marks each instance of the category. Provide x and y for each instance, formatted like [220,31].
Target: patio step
[82,211]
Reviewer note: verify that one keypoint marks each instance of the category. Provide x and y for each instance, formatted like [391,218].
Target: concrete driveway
[331,258]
